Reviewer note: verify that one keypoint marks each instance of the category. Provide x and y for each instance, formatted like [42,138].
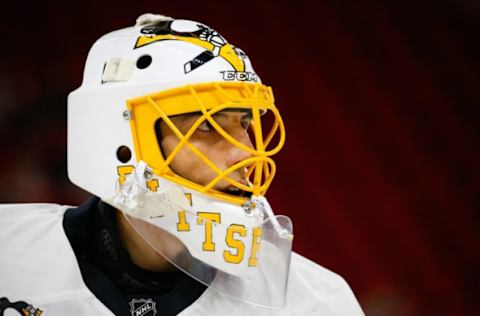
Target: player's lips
[233,190]
[238,192]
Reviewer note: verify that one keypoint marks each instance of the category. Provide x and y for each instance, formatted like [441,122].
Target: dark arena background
[380,100]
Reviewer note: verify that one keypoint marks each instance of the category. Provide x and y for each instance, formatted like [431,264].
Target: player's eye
[246,122]
[205,126]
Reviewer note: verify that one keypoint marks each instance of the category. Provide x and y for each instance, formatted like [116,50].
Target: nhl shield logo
[142,307]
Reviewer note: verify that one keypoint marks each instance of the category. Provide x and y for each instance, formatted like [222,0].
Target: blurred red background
[380,99]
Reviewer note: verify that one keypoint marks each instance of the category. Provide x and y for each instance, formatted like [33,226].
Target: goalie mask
[150,94]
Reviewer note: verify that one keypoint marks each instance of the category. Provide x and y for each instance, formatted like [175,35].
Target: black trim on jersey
[108,271]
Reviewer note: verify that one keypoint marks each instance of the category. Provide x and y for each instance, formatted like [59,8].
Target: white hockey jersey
[38,266]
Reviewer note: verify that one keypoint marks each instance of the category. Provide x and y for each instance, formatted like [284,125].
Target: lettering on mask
[235,235]
[231,75]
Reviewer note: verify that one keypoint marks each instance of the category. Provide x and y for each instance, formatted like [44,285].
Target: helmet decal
[195,33]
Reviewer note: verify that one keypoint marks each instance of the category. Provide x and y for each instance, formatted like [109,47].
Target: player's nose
[236,154]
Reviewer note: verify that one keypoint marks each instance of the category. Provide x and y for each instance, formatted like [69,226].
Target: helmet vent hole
[124,154]
[144,61]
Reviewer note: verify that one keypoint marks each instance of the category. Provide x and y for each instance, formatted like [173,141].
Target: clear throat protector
[242,251]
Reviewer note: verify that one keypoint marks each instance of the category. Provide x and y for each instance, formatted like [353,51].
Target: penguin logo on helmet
[195,33]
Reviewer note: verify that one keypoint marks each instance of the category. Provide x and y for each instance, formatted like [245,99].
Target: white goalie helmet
[161,68]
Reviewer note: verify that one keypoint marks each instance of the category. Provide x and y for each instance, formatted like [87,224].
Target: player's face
[214,146]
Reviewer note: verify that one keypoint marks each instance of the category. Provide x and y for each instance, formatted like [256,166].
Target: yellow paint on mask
[226,51]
